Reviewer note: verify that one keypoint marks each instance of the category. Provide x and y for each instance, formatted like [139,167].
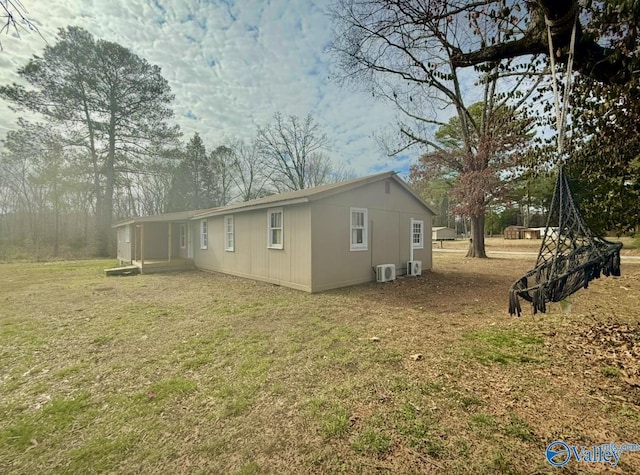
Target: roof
[281,199]
[440,228]
[310,194]
[166,217]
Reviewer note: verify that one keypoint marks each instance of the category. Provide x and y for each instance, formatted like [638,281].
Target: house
[443,234]
[314,239]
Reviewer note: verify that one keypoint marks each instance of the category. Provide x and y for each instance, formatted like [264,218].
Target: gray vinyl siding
[316,252]
[251,258]
[335,265]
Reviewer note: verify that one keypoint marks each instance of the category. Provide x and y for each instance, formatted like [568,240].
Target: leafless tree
[249,171]
[290,145]
[16,19]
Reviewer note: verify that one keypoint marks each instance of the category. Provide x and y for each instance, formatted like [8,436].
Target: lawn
[204,373]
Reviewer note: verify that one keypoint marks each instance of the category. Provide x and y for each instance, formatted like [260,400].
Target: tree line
[95,143]
[483,66]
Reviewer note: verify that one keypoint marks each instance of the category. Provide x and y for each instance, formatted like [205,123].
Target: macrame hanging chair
[571,255]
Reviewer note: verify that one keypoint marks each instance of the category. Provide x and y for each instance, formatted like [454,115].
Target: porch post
[141,246]
[169,251]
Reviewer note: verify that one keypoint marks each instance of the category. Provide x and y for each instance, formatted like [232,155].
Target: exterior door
[189,241]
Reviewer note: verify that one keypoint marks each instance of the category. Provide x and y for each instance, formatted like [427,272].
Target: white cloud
[230,65]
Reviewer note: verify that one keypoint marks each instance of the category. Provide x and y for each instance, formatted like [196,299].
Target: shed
[521,232]
[513,232]
[442,233]
[314,239]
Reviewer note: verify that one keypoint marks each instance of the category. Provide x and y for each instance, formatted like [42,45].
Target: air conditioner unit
[414,268]
[386,272]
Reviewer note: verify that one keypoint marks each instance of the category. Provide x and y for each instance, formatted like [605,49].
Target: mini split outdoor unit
[386,272]
[414,268]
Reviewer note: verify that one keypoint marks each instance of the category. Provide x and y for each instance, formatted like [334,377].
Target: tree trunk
[476,243]
[56,209]
[105,214]
[110,186]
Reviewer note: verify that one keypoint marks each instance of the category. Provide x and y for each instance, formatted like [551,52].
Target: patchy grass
[204,373]
[502,346]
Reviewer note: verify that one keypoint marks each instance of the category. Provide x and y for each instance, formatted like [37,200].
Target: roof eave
[242,209]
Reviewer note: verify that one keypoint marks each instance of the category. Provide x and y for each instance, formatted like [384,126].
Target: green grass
[611,372]
[502,347]
[201,373]
[331,419]
[372,442]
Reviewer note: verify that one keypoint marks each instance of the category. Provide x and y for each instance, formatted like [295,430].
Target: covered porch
[160,243]
[162,246]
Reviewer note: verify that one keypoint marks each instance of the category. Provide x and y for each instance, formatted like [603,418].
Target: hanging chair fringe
[556,280]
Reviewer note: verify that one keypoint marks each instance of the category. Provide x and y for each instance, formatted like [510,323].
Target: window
[204,235]
[274,217]
[183,236]
[359,225]
[417,234]
[228,233]
[127,233]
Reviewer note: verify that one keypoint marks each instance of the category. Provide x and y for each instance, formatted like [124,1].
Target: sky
[232,64]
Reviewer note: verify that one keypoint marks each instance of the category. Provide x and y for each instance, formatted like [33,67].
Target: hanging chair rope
[570,255]
[561,113]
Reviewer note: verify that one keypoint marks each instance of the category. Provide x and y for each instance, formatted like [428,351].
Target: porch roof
[158,218]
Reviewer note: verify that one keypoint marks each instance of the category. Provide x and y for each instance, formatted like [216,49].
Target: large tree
[105,100]
[607,37]
[477,164]
[604,105]
[605,158]
[403,52]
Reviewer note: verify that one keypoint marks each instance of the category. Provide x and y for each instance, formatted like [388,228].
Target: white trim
[361,225]
[229,234]
[271,243]
[419,234]
[204,234]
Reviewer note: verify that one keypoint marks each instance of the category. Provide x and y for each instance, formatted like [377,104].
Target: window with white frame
[228,233]
[127,233]
[359,225]
[274,221]
[204,235]
[417,234]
